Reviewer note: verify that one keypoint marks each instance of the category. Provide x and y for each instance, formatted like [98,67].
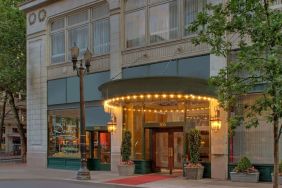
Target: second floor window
[153,21]
[58,41]
[87,29]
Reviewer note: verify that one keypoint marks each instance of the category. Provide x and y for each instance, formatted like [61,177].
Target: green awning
[146,85]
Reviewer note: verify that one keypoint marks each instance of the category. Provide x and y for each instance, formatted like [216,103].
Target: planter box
[279,179]
[194,173]
[244,177]
[126,170]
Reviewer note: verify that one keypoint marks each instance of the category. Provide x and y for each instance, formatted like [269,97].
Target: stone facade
[40,70]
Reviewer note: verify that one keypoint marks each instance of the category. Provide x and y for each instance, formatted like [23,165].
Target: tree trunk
[276,153]
[19,126]
[3,118]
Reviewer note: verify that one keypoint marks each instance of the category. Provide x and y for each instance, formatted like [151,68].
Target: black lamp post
[83,67]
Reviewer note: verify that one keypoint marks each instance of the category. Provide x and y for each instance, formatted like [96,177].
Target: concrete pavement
[18,171]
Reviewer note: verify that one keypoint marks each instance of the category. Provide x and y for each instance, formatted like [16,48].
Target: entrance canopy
[158,93]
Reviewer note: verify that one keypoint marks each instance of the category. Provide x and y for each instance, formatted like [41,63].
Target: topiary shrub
[244,166]
[194,140]
[126,148]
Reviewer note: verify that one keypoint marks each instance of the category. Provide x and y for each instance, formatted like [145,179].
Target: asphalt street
[53,184]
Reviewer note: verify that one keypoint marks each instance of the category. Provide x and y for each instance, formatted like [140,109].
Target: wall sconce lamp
[112,125]
[215,121]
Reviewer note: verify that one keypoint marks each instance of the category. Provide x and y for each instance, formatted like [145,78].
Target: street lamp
[83,173]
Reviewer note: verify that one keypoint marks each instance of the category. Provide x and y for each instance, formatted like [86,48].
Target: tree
[13,58]
[253,28]
[2,120]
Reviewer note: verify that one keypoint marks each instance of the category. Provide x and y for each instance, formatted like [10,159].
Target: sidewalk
[21,171]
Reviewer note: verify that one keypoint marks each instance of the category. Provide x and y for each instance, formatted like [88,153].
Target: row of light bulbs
[163,111]
[108,103]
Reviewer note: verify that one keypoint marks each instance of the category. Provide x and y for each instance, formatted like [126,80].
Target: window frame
[146,8]
[51,33]
[66,29]
[92,25]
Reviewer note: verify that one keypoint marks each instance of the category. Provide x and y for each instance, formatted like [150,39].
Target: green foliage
[126,146]
[12,47]
[255,29]
[194,145]
[243,165]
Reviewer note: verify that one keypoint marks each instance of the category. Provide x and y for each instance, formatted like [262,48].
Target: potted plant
[280,173]
[126,166]
[194,169]
[245,172]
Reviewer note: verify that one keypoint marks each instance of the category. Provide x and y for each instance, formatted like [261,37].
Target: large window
[78,31]
[153,21]
[255,142]
[163,22]
[63,129]
[58,41]
[191,9]
[87,29]
[135,28]
[101,30]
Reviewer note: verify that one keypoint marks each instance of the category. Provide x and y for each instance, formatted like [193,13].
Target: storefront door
[167,149]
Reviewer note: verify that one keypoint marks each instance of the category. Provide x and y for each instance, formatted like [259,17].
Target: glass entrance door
[162,153]
[168,149]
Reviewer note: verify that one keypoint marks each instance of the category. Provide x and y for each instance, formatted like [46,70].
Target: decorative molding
[162,52]
[32,18]
[42,15]
[115,11]
[63,70]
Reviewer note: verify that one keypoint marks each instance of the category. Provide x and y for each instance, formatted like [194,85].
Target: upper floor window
[163,20]
[78,32]
[153,21]
[191,9]
[58,41]
[101,28]
[87,29]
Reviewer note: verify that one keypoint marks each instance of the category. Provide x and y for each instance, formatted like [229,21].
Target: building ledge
[30,5]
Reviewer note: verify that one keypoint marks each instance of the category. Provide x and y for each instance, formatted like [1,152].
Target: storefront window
[63,131]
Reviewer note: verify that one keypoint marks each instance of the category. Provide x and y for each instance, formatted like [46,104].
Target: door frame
[170,131]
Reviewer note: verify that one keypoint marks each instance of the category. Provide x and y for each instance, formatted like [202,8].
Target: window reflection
[63,133]
[163,22]
[135,28]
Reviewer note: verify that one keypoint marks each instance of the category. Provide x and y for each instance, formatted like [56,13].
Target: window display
[64,134]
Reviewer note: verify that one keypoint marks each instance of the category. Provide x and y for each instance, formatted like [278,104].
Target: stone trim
[163,52]
[63,70]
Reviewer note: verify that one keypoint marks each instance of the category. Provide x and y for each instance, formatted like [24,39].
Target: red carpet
[140,179]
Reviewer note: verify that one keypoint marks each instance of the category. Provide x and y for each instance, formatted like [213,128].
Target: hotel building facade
[145,72]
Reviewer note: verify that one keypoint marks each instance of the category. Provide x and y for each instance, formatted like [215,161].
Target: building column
[116,73]
[219,139]
[37,132]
